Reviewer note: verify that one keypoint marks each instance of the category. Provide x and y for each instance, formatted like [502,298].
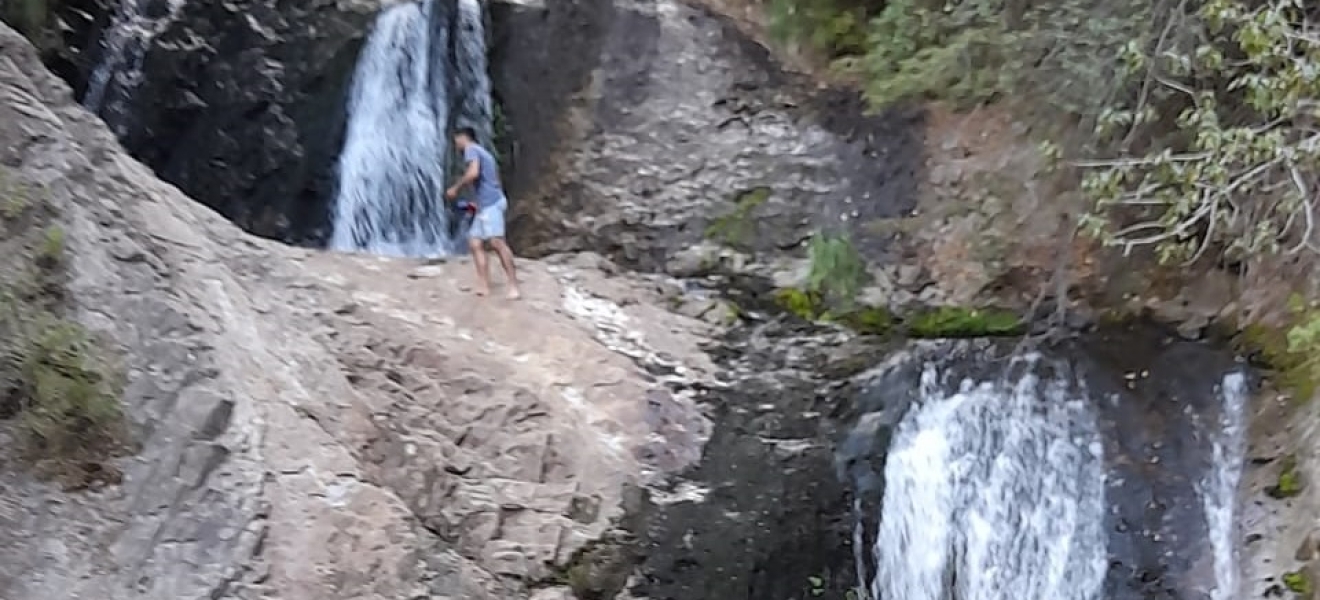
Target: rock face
[657,124]
[319,427]
[632,128]
[240,104]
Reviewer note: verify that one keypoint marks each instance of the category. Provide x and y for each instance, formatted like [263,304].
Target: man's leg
[493,226]
[477,232]
[506,260]
[478,250]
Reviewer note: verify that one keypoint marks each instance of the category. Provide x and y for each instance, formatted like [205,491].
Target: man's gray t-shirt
[487,186]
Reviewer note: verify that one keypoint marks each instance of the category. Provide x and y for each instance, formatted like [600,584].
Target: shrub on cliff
[58,384]
[1192,123]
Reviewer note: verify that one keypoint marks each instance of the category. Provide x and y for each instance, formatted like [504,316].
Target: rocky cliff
[317,426]
[658,125]
[239,104]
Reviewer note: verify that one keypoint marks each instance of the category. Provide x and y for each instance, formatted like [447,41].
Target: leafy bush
[1237,171]
[1191,125]
[837,270]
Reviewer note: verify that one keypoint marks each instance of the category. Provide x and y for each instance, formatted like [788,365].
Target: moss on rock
[960,322]
[1298,583]
[799,303]
[737,228]
[810,306]
[872,320]
[1292,351]
[599,570]
[941,322]
[61,385]
[1290,481]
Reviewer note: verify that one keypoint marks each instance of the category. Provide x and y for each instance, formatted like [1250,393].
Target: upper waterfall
[421,74]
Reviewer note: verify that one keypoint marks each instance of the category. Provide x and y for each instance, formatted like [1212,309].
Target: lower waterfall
[420,76]
[996,489]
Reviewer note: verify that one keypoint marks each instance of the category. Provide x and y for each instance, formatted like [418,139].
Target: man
[483,175]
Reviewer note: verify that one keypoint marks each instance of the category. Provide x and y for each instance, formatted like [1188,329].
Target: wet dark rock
[240,104]
[773,522]
[653,126]
[769,513]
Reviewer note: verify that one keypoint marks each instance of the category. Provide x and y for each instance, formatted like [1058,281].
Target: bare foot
[482,291]
[513,294]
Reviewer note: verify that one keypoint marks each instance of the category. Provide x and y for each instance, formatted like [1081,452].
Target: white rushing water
[473,101]
[408,89]
[124,47]
[1218,490]
[994,491]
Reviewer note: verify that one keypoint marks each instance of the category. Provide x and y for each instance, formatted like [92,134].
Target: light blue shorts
[489,221]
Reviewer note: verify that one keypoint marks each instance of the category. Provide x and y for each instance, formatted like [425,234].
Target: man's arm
[470,175]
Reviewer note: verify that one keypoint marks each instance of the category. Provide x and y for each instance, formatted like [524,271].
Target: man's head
[464,137]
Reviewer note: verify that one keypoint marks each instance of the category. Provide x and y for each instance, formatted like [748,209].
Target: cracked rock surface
[317,426]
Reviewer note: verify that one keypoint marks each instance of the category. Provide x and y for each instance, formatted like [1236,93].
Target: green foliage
[60,384]
[837,270]
[70,400]
[1290,480]
[1194,125]
[737,228]
[1298,583]
[833,27]
[1237,172]
[972,51]
[957,322]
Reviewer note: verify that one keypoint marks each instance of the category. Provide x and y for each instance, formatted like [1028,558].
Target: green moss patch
[959,322]
[942,322]
[1298,583]
[1290,482]
[810,306]
[60,386]
[1291,351]
[737,228]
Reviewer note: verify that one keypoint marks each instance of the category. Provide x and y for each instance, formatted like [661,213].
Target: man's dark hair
[466,131]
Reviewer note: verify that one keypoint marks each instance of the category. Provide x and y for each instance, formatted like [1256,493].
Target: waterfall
[473,99]
[124,47]
[993,491]
[1218,490]
[410,89]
